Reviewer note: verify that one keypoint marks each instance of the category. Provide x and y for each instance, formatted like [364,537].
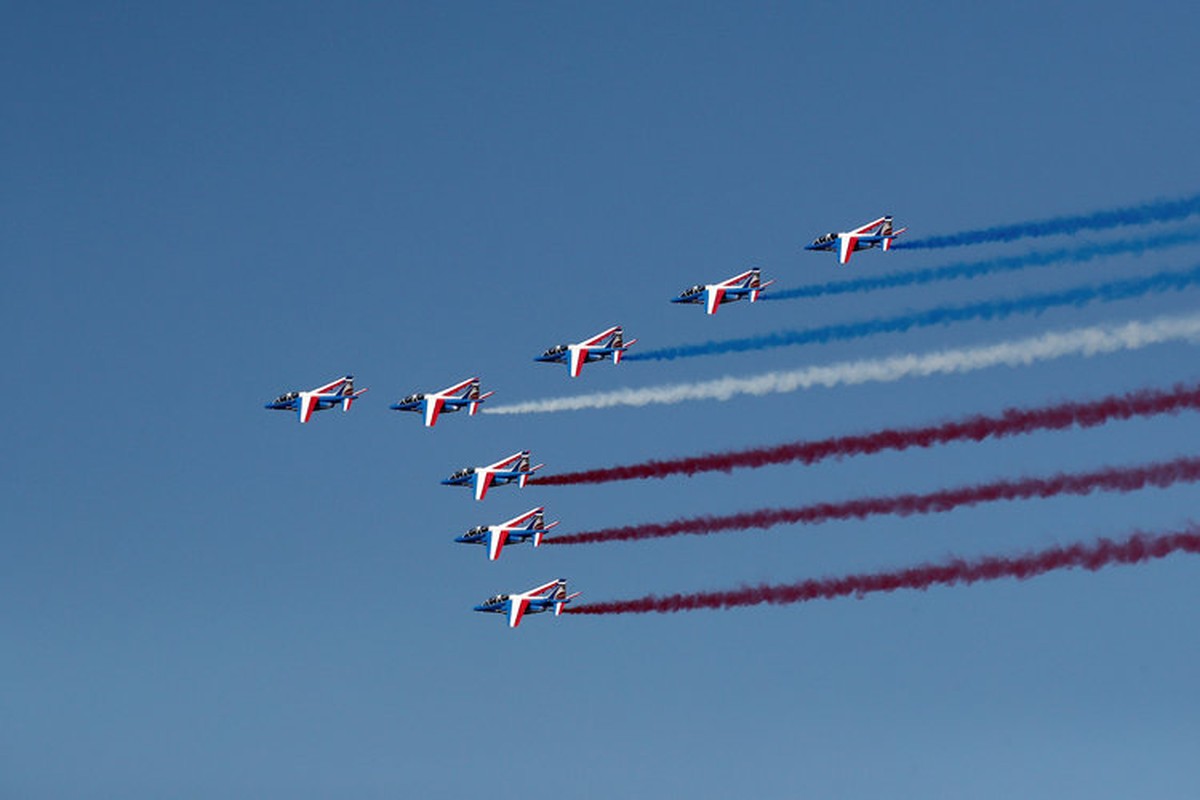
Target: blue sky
[205,207]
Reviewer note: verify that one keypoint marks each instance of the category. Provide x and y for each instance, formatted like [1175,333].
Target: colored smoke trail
[975,269]
[1125,289]
[1137,549]
[1009,422]
[1108,479]
[1159,211]
[1086,342]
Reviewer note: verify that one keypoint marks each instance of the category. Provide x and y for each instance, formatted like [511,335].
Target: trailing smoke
[1136,549]
[1109,479]
[1010,422]
[1125,289]
[976,269]
[1160,211]
[1086,342]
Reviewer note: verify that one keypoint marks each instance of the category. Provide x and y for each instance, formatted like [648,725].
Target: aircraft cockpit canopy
[464,472]
[829,237]
[558,348]
[413,398]
[287,397]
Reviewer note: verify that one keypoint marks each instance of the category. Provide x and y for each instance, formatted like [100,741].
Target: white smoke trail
[1085,342]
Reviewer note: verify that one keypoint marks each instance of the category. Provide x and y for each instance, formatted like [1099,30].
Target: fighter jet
[529,526]
[535,601]
[452,398]
[331,394]
[712,295]
[498,474]
[597,348]
[874,234]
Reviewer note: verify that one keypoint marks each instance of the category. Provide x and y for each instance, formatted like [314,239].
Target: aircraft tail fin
[561,598]
[349,395]
[496,542]
[541,531]
[524,479]
[621,346]
[473,407]
[757,285]
[887,243]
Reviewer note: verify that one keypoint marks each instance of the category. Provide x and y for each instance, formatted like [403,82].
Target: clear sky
[205,206]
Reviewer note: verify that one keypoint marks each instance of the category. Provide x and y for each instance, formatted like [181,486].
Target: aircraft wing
[306,404]
[331,387]
[456,389]
[730,283]
[847,242]
[542,592]
[517,607]
[504,462]
[578,358]
[483,481]
[433,407]
[517,522]
[600,339]
[715,295]
[496,541]
[869,228]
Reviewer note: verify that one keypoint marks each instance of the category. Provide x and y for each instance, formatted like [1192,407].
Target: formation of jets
[532,526]
[535,601]
[874,234]
[607,343]
[452,398]
[514,469]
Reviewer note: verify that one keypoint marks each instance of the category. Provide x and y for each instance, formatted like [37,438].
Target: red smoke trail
[1134,550]
[1109,479]
[1011,422]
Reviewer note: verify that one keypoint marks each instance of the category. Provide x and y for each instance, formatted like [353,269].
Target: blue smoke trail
[975,269]
[1159,211]
[1125,289]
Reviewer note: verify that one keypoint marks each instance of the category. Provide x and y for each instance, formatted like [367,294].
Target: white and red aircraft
[874,234]
[535,601]
[331,394]
[529,526]
[452,398]
[498,474]
[748,284]
[597,348]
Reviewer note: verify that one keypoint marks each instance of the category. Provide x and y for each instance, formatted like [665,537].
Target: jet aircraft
[448,400]
[874,234]
[323,397]
[599,347]
[712,295]
[535,601]
[530,525]
[514,468]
